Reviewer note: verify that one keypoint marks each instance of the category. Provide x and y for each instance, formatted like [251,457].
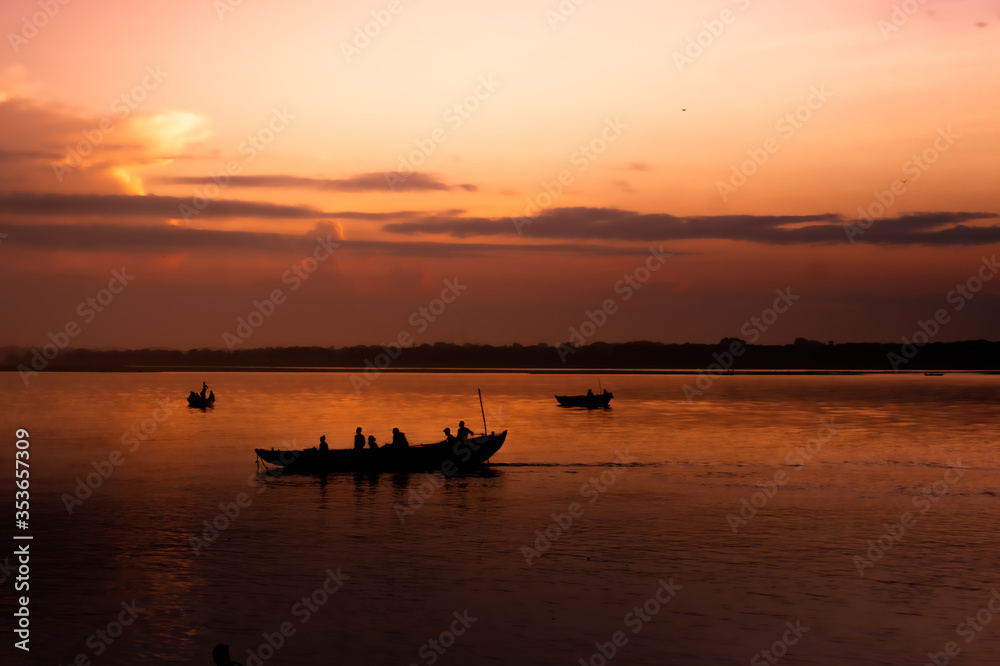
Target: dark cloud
[168,238]
[152,206]
[621,225]
[124,205]
[364,182]
[12,155]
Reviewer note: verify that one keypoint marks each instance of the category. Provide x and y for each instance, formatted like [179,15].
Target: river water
[823,519]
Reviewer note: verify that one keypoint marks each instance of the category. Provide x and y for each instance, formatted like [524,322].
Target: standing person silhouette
[204,390]
[463,432]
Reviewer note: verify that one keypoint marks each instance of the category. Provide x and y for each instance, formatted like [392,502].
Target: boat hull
[199,402]
[449,459]
[587,401]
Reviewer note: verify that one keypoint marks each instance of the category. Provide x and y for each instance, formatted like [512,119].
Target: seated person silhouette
[450,438]
[220,655]
[371,443]
[399,439]
[322,444]
[211,396]
[359,440]
[590,394]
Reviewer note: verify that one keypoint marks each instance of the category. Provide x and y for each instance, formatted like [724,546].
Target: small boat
[198,402]
[447,458]
[933,374]
[590,401]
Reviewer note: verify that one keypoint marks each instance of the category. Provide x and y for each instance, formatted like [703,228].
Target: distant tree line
[801,355]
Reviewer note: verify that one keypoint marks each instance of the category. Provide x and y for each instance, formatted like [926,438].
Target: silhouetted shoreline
[729,355]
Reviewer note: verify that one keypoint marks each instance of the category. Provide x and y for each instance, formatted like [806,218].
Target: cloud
[124,205]
[363,182]
[47,144]
[943,228]
[163,207]
[170,238]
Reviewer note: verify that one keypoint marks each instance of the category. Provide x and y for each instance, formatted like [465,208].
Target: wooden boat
[449,459]
[933,374]
[592,401]
[198,402]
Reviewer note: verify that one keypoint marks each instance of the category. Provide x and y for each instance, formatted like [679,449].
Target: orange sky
[739,135]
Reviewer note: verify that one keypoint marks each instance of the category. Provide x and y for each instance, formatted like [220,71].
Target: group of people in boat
[399,440]
[461,436]
[204,389]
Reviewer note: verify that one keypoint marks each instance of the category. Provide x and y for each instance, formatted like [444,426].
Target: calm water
[458,546]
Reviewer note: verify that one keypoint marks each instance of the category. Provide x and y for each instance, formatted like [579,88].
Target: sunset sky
[204,147]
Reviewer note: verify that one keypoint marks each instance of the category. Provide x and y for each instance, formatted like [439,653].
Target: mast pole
[482,409]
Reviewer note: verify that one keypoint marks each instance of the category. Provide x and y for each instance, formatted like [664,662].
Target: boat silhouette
[449,458]
[198,402]
[590,401]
